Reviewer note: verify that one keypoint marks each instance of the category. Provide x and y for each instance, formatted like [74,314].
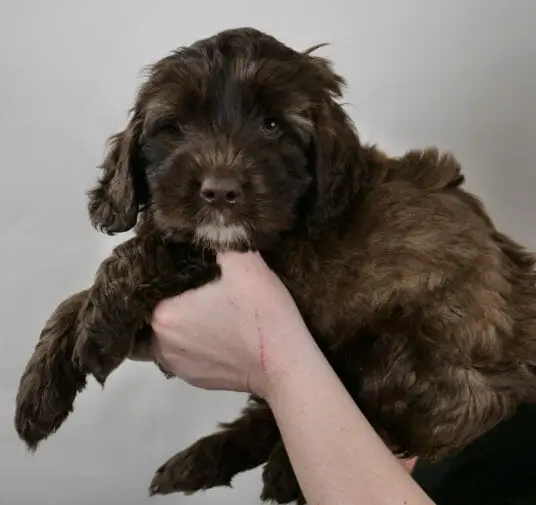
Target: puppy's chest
[322,285]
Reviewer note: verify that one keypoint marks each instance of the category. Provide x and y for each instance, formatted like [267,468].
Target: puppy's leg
[140,273]
[214,460]
[50,381]
[280,483]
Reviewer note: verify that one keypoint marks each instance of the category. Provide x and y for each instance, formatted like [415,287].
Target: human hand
[228,334]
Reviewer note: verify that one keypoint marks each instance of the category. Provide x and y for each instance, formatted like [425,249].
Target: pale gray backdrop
[460,74]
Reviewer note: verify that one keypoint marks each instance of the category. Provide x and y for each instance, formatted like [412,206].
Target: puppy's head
[233,142]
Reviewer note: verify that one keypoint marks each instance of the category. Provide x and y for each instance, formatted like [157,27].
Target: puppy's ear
[115,200]
[337,160]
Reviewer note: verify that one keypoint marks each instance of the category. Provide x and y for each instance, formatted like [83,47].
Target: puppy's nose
[219,190]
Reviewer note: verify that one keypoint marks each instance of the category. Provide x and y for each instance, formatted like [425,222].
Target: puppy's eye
[271,127]
[169,128]
[165,128]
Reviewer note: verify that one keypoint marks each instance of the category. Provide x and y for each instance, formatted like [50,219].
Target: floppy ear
[115,200]
[338,164]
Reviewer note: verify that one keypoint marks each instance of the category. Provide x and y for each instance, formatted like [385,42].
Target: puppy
[425,310]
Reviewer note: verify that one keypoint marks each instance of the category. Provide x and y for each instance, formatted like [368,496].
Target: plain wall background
[455,73]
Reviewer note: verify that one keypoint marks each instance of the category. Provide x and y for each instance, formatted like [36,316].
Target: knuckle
[164,315]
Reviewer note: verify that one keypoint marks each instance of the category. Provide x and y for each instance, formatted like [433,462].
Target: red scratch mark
[261,342]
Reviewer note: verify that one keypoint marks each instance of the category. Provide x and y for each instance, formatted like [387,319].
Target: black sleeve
[497,469]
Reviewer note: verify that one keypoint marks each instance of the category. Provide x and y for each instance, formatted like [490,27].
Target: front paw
[50,383]
[98,353]
[87,357]
[281,486]
[45,398]
[197,468]
[280,483]
[47,389]
[103,342]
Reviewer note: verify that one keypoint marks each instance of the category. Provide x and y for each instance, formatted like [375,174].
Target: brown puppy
[426,311]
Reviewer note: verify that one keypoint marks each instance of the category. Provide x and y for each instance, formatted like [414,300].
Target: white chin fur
[221,235]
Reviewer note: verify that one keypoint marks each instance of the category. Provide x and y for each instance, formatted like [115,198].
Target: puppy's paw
[48,387]
[92,358]
[280,487]
[103,341]
[194,469]
[280,483]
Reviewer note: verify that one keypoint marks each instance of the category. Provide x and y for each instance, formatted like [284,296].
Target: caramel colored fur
[425,310]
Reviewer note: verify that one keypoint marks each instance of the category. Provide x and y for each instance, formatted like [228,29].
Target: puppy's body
[426,312]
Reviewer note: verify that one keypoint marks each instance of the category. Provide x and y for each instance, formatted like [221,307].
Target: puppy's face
[226,140]
[221,144]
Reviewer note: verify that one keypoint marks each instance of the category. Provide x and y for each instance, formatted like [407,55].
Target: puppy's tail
[50,381]
[429,169]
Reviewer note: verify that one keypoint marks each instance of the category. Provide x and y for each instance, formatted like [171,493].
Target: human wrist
[286,356]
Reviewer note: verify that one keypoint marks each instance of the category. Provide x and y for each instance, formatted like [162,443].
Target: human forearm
[336,455]
[256,341]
